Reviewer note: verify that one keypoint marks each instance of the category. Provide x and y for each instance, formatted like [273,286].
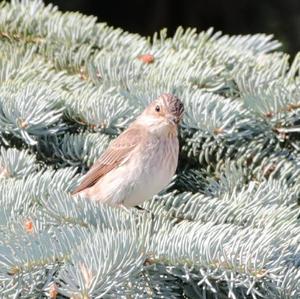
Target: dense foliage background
[228,224]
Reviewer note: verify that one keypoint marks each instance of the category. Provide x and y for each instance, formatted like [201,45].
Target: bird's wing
[113,156]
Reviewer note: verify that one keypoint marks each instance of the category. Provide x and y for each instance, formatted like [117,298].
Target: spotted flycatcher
[141,161]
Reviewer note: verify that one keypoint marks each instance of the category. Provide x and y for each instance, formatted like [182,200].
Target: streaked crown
[167,108]
[173,104]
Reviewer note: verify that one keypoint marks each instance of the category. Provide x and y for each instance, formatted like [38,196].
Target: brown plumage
[114,155]
[139,162]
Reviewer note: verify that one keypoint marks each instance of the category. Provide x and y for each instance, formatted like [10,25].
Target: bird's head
[163,114]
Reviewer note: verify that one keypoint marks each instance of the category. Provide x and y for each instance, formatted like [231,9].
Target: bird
[141,161]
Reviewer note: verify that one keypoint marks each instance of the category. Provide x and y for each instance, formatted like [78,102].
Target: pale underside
[136,166]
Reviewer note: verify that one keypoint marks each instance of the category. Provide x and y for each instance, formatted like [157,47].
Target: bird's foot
[141,209]
[138,210]
[144,211]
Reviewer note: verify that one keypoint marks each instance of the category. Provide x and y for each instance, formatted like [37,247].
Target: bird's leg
[140,208]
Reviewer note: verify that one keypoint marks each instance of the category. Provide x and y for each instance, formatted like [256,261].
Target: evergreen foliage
[226,227]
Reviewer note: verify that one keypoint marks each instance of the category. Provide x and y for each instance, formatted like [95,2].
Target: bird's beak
[173,120]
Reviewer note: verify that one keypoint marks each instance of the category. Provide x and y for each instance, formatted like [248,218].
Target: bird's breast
[155,169]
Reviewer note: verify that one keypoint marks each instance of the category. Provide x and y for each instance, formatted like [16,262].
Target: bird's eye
[157,108]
